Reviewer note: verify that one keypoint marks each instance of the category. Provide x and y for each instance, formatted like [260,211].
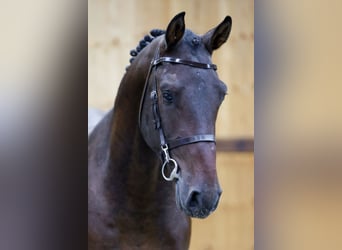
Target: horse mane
[144,42]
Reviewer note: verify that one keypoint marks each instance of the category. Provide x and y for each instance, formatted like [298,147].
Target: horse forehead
[192,77]
[169,76]
[191,47]
[191,38]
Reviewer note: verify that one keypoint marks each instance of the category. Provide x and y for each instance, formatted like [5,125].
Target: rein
[168,144]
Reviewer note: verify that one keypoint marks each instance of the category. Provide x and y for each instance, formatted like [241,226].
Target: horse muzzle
[199,203]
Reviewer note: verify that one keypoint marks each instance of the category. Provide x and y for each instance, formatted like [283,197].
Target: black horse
[152,158]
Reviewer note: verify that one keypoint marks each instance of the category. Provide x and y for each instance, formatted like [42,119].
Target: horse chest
[138,231]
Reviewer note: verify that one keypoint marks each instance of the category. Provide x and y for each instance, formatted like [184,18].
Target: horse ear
[217,36]
[175,30]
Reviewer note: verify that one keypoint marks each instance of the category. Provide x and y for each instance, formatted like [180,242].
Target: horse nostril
[194,199]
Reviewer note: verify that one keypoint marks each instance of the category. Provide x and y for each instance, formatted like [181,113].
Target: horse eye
[167,95]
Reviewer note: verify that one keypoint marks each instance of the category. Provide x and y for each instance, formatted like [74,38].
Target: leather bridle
[168,144]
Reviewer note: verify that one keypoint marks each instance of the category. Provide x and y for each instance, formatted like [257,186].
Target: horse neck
[132,163]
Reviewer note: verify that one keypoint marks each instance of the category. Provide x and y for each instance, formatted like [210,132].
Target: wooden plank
[235,145]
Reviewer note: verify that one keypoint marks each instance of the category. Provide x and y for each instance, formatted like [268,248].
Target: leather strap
[184,62]
[189,140]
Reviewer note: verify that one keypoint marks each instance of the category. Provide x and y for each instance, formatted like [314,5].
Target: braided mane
[144,42]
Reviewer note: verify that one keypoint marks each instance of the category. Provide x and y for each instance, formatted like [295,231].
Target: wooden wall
[116,26]
[231,226]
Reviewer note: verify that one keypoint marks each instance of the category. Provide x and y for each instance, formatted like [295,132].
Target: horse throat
[133,167]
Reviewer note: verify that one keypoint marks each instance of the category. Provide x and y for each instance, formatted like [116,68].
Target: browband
[184,62]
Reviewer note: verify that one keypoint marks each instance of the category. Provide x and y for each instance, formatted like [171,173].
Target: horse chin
[197,213]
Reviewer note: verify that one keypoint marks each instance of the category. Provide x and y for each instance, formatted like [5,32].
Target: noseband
[168,144]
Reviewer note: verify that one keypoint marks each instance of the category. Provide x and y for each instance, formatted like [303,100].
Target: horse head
[178,112]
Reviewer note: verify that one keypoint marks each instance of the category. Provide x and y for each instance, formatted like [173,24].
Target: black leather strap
[184,62]
[189,140]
